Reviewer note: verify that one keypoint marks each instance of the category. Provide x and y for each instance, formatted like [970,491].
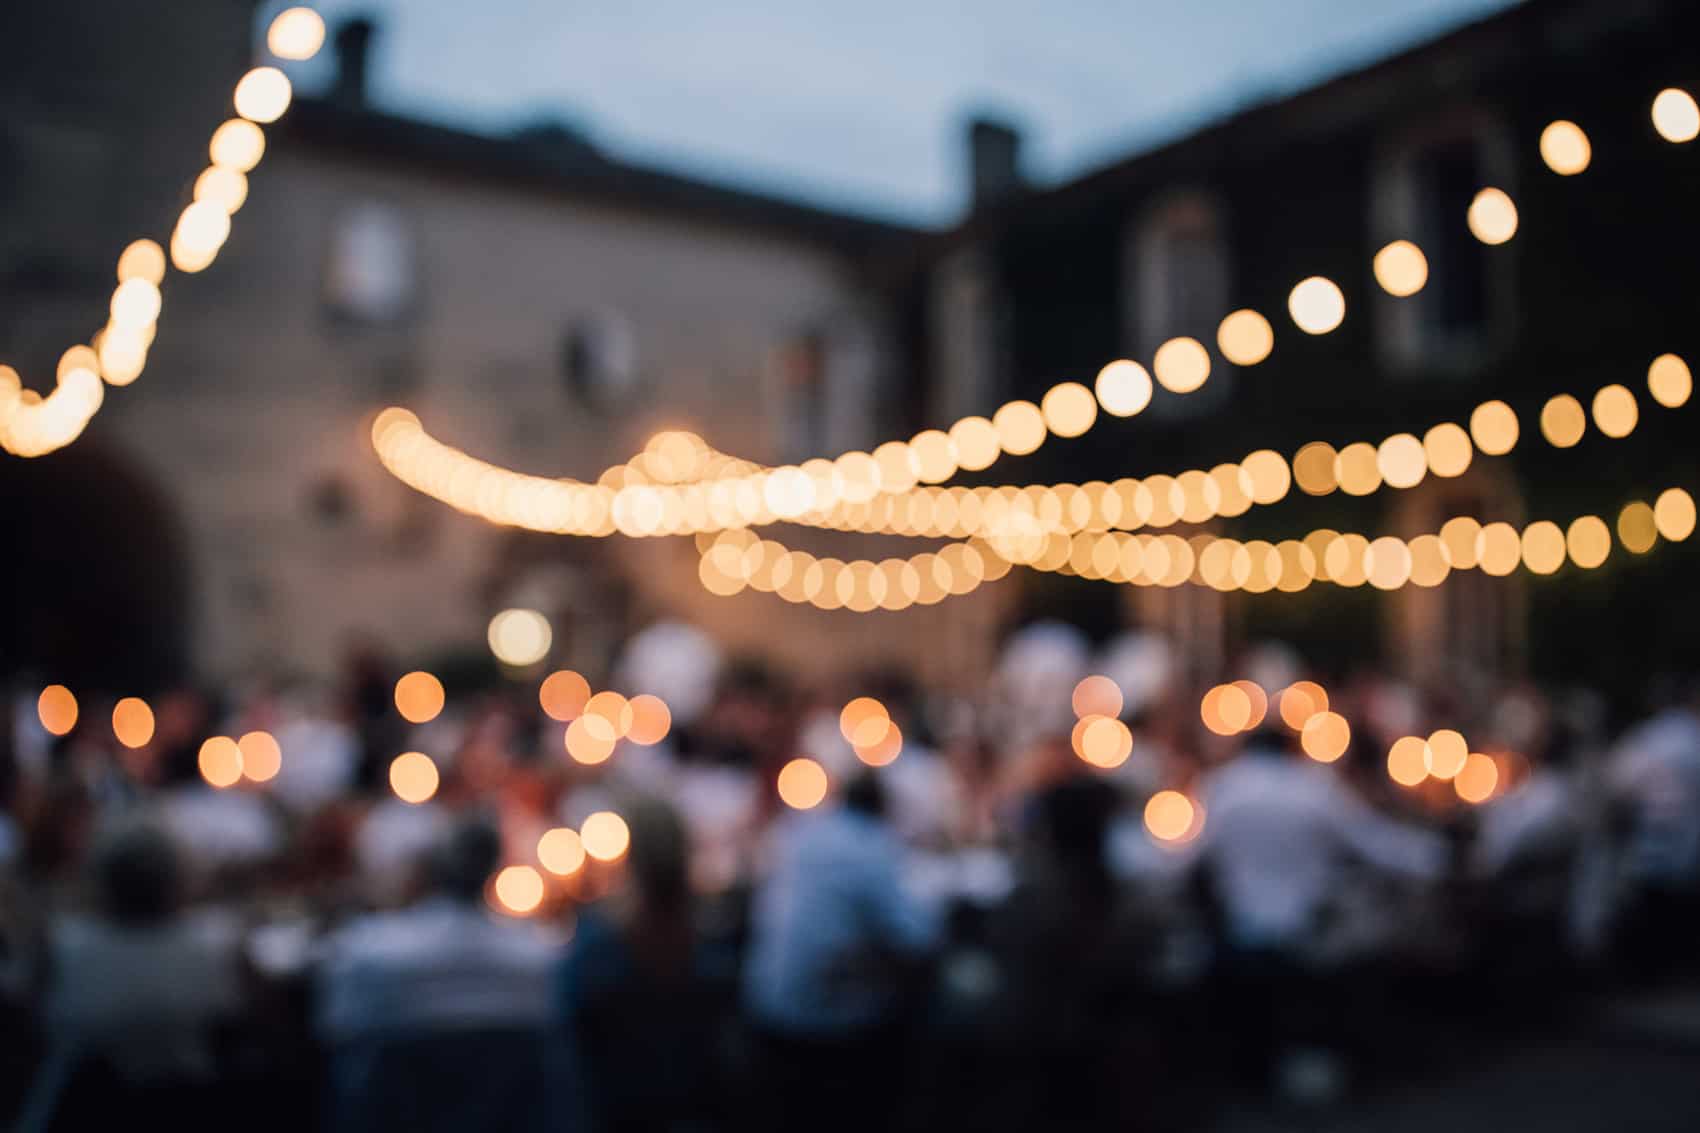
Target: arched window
[1176,282]
[599,359]
[372,274]
[1424,184]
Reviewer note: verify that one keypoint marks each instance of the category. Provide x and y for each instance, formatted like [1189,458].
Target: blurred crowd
[987,930]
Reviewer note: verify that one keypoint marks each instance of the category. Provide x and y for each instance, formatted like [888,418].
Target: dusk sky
[860,105]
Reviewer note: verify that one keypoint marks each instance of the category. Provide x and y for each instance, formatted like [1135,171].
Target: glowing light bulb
[1407,761]
[1446,754]
[1317,305]
[1020,426]
[1325,737]
[1069,409]
[1669,381]
[1493,426]
[1123,388]
[605,836]
[1245,338]
[1170,816]
[1181,365]
[1565,148]
[1637,528]
[296,33]
[262,757]
[651,719]
[238,144]
[1562,421]
[142,259]
[222,187]
[1478,780]
[563,695]
[519,889]
[419,697]
[520,637]
[135,304]
[1543,547]
[1588,541]
[413,777]
[1401,268]
[802,784]
[1097,695]
[1492,217]
[561,851]
[262,95]
[220,762]
[1615,411]
[1676,116]
[132,722]
[56,707]
[1673,514]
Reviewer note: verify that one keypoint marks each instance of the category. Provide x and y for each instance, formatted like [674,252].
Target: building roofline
[1455,58]
[571,167]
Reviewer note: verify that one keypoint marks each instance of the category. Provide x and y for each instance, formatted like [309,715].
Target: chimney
[994,155]
[353,55]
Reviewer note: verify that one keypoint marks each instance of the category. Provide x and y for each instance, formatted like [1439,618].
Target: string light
[563,695]
[1408,761]
[220,762]
[802,784]
[419,697]
[1245,338]
[519,638]
[262,757]
[1325,736]
[56,708]
[605,836]
[1317,305]
[1479,779]
[519,889]
[262,95]
[1492,217]
[296,33]
[1401,268]
[132,722]
[1673,514]
[1445,753]
[1676,116]
[1172,817]
[1669,381]
[1565,148]
[1097,695]
[413,777]
[1181,365]
[561,851]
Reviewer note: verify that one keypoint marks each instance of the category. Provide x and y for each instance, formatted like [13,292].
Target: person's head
[1071,822]
[658,861]
[865,795]
[138,874]
[1271,737]
[463,861]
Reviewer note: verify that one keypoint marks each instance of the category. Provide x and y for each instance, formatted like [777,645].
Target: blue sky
[860,105]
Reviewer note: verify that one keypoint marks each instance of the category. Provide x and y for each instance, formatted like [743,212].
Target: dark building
[1039,287]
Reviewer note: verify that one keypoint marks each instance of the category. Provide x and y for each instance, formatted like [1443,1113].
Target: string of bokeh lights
[679,485]
[33,425]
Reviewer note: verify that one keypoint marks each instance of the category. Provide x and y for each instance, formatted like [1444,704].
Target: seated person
[435,1014]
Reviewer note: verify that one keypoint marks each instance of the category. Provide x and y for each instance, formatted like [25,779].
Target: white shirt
[1540,814]
[1278,833]
[438,965]
[1656,770]
[221,827]
[834,901]
[144,996]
